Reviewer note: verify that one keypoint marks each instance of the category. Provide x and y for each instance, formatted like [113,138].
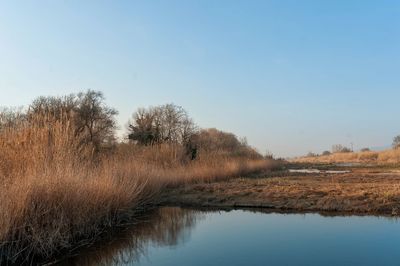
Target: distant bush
[269,155]
[338,148]
[326,153]
[396,142]
[214,141]
[365,149]
[368,156]
[311,154]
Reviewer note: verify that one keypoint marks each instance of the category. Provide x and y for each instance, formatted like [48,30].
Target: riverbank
[365,190]
[391,156]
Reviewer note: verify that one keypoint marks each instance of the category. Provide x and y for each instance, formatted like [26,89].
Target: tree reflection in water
[164,227]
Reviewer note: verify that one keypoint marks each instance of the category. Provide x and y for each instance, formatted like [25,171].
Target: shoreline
[360,192]
[272,209]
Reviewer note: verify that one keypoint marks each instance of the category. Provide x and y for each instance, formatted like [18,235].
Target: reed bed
[57,196]
[379,157]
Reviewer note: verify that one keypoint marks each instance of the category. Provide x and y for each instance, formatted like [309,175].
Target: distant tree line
[94,123]
[171,124]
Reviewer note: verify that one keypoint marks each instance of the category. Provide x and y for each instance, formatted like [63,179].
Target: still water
[176,237]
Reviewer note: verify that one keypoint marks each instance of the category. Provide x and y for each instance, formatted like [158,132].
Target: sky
[291,76]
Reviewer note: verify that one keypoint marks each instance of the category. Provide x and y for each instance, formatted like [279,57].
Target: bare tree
[167,123]
[326,153]
[338,148]
[143,128]
[396,142]
[11,117]
[93,121]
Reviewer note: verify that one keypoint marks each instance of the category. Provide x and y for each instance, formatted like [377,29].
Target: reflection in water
[163,227]
[174,236]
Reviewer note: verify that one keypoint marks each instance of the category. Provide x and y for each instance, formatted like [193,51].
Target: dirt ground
[366,190]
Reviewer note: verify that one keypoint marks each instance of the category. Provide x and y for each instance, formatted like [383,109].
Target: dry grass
[54,198]
[361,192]
[381,157]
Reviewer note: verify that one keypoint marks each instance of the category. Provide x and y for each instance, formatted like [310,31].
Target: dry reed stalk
[54,197]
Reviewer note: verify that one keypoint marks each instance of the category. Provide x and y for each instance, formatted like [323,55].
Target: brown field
[363,191]
[381,157]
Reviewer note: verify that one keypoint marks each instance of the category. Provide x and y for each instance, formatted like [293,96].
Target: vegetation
[396,142]
[325,153]
[379,157]
[359,192]
[65,179]
[167,123]
[338,148]
[342,154]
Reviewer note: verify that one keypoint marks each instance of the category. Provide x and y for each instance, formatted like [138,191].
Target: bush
[326,153]
[338,148]
[311,154]
[213,141]
[396,142]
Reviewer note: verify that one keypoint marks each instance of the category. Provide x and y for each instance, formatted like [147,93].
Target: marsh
[176,236]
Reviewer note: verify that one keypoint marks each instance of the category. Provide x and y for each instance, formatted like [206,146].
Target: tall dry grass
[54,197]
[378,157]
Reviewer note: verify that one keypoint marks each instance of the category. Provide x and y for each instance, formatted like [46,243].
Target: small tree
[365,149]
[311,154]
[95,119]
[11,117]
[268,154]
[143,128]
[91,119]
[396,142]
[326,153]
[167,123]
[338,148]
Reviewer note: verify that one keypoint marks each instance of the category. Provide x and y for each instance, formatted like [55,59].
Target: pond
[175,236]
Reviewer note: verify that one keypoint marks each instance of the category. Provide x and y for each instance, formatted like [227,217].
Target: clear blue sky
[291,76]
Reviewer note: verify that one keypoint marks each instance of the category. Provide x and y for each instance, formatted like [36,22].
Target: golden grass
[381,157]
[54,198]
[361,192]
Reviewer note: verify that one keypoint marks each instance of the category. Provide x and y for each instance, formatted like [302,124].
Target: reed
[391,156]
[56,195]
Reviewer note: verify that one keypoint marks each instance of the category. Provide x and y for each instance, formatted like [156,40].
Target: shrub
[326,153]
[396,142]
[311,154]
[338,148]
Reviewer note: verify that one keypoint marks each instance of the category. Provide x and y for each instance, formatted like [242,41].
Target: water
[177,236]
[317,171]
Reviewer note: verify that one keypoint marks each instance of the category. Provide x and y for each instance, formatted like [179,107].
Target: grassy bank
[56,195]
[363,191]
[376,157]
